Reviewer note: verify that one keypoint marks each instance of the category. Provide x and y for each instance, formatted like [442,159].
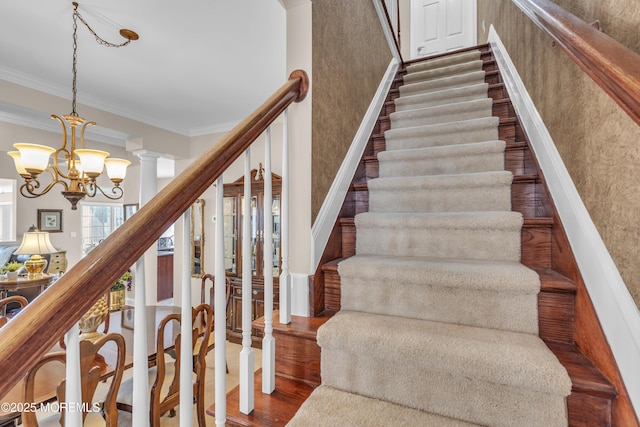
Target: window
[8,210]
[98,221]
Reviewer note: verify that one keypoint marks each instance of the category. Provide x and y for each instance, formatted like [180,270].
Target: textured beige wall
[598,142]
[350,56]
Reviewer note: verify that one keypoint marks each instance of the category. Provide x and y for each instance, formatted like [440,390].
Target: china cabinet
[233,209]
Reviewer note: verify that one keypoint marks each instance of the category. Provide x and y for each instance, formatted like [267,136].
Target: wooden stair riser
[332,286]
[497,91]
[536,243]
[588,411]
[298,358]
[556,316]
[348,231]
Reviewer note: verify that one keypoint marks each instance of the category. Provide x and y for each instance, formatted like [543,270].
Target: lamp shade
[15,155]
[92,161]
[35,242]
[116,168]
[34,157]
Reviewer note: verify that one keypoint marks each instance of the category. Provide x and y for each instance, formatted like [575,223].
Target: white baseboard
[613,303]
[333,202]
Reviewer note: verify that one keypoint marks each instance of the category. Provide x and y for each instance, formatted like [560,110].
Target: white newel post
[246,355]
[74,382]
[186,363]
[220,311]
[268,343]
[285,285]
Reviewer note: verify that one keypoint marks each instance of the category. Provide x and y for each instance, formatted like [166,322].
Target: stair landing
[275,409]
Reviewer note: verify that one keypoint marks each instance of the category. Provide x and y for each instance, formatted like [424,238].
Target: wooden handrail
[41,324]
[611,65]
[396,37]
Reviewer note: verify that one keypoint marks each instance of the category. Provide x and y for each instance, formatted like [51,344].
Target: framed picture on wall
[50,220]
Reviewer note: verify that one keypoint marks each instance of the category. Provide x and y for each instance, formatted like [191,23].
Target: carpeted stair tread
[458,80]
[442,96]
[507,221]
[490,294]
[482,191]
[499,276]
[459,158]
[330,407]
[474,130]
[442,113]
[502,357]
[445,61]
[449,70]
[461,235]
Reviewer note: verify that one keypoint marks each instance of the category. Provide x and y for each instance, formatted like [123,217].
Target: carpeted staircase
[438,323]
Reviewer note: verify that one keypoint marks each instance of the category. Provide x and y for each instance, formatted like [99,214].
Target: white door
[439,26]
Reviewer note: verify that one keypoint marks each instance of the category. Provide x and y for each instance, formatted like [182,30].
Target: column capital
[148,154]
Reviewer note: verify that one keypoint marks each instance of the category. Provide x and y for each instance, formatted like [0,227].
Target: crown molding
[14,114]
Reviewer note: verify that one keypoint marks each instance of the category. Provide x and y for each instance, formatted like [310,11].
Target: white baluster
[73,418]
[186,363]
[246,355]
[268,343]
[140,399]
[285,285]
[220,311]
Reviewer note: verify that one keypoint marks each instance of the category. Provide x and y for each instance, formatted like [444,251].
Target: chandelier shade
[33,157]
[78,182]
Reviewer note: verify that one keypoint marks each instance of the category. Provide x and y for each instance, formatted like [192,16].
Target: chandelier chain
[100,40]
[74,68]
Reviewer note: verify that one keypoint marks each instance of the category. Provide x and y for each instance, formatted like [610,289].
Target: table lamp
[35,243]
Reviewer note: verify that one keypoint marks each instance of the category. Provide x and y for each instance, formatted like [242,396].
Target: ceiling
[200,66]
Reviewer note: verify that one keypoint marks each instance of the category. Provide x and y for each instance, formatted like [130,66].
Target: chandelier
[75,168]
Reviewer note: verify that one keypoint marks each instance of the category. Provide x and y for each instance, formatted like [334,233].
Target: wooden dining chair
[203,292]
[4,302]
[93,369]
[164,377]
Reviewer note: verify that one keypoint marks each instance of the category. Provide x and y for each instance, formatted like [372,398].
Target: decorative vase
[12,275]
[116,300]
[92,319]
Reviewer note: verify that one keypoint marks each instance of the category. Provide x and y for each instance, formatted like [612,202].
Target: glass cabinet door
[275,211]
[255,241]
[230,235]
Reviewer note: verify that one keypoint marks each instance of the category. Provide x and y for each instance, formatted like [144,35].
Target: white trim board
[612,301]
[332,204]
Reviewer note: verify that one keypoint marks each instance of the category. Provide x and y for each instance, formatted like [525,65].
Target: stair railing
[35,330]
[614,67]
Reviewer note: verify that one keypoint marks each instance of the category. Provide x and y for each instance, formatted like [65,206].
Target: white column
[73,389]
[285,286]
[220,311]
[299,56]
[246,355]
[268,343]
[186,363]
[145,294]
[140,400]
[148,189]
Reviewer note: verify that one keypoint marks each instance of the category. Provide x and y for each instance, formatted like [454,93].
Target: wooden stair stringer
[546,250]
